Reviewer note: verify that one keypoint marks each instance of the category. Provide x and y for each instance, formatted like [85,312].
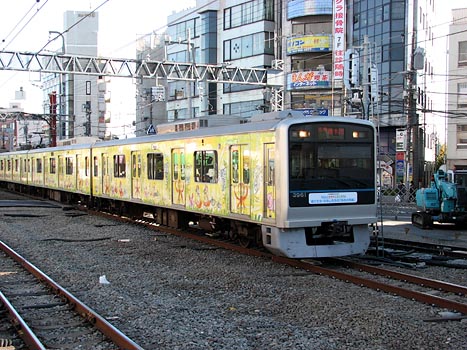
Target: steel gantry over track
[145,69]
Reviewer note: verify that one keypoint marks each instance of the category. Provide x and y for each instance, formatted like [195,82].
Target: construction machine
[445,201]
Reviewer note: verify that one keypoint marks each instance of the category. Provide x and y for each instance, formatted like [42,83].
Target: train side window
[136,163]
[39,165]
[9,164]
[69,166]
[235,167]
[86,166]
[206,166]
[52,165]
[1,165]
[155,166]
[16,165]
[95,166]
[119,165]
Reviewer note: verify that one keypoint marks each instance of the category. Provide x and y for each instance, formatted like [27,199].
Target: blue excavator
[445,201]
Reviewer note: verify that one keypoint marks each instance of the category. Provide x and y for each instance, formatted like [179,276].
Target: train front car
[327,185]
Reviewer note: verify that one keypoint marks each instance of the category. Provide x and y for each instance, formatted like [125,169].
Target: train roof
[259,123]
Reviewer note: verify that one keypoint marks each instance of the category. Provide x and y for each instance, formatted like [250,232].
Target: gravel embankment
[169,293]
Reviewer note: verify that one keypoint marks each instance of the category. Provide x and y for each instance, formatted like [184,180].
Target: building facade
[312,47]
[150,93]
[78,102]
[457,92]
[231,32]
[404,40]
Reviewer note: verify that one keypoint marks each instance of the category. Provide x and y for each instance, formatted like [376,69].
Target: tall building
[74,98]
[457,92]
[402,46]
[150,93]
[230,32]
[312,46]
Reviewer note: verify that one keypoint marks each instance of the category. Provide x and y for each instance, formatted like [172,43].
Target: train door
[178,176]
[269,184]
[60,171]
[105,174]
[77,174]
[136,174]
[43,174]
[240,179]
[95,175]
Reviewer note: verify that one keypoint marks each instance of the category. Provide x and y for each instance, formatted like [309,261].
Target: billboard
[300,8]
[308,79]
[339,38]
[308,43]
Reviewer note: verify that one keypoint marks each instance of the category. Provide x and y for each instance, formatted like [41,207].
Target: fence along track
[58,318]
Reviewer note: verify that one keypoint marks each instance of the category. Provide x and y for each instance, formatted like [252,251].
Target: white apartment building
[457,92]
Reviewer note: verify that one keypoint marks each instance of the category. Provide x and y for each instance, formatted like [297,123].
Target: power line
[22,28]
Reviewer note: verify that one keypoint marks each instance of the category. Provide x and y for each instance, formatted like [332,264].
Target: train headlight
[303,134]
[359,134]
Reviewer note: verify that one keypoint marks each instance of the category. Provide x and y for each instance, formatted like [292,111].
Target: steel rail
[406,293]
[446,286]
[116,336]
[26,333]
[302,264]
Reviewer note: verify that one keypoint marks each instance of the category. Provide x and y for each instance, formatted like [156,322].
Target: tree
[440,157]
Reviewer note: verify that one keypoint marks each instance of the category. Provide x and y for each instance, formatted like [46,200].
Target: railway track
[43,315]
[429,248]
[432,292]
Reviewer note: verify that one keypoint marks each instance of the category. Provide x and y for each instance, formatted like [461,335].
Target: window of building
[250,45]
[462,95]
[180,30]
[461,136]
[119,165]
[245,108]
[397,10]
[248,12]
[155,166]
[206,166]
[462,60]
[227,88]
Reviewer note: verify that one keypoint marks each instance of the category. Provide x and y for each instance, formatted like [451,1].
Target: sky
[25,26]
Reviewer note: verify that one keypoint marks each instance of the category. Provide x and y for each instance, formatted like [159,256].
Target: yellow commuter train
[299,186]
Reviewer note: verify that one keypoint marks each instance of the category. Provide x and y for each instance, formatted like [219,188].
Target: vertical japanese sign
[339,38]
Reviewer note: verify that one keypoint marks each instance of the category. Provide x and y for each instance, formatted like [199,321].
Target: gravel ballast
[165,292]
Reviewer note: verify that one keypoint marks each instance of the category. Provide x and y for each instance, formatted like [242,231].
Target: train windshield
[331,163]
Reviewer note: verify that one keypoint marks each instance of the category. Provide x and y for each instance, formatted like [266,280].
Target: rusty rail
[117,337]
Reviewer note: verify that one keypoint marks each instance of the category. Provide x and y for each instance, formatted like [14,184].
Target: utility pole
[61,90]
[365,81]
[191,58]
[87,109]
[414,149]
[53,118]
